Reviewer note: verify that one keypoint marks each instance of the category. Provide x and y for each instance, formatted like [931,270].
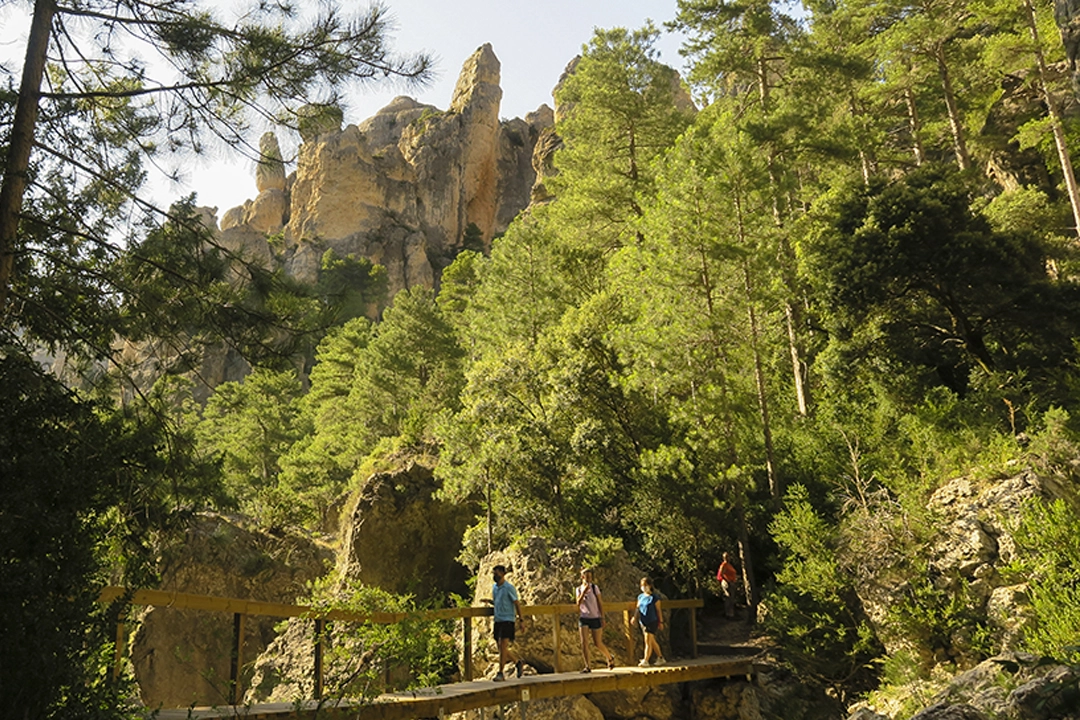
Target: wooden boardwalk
[441,701]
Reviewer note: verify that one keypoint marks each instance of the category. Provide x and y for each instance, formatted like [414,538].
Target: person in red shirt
[727,576]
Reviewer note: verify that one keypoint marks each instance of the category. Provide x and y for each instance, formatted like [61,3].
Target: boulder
[232,218]
[727,701]
[402,539]
[182,657]
[949,712]
[543,164]
[1010,686]
[658,703]
[1054,695]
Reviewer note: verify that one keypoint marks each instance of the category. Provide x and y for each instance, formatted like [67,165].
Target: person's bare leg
[598,638]
[584,632]
[655,647]
[506,655]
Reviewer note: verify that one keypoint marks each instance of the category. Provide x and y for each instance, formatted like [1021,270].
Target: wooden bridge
[439,701]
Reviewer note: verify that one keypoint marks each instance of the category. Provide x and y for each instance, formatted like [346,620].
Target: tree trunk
[801,394]
[17,165]
[489,518]
[1055,119]
[763,400]
[749,582]
[759,373]
[955,122]
[914,126]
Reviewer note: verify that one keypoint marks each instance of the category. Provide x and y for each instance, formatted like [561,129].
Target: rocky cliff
[404,189]
[181,657]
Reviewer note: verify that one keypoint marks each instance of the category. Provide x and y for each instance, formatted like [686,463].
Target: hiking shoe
[643,663]
[499,677]
[611,664]
[519,666]
[586,669]
[660,661]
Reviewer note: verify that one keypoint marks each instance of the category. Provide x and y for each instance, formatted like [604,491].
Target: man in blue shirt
[504,598]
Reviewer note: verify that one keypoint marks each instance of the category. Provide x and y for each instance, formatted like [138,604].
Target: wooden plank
[447,699]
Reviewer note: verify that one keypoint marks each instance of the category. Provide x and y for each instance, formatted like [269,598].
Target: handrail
[165,598]
[242,608]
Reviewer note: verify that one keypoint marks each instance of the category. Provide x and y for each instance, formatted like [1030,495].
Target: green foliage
[409,371]
[943,620]
[600,551]
[250,425]
[622,110]
[914,284]
[814,612]
[351,287]
[365,659]
[85,491]
[1049,559]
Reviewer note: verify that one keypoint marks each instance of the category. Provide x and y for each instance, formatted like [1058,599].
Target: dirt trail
[718,635]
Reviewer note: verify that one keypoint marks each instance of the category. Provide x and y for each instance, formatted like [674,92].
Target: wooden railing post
[466,634]
[693,632]
[320,625]
[628,628]
[237,660]
[558,643]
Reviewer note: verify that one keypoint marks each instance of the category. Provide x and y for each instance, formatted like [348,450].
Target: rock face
[182,657]
[403,540]
[1011,686]
[974,543]
[401,188]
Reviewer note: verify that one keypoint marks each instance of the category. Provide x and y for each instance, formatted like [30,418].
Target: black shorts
[504,629]
[591,623]
[649,628]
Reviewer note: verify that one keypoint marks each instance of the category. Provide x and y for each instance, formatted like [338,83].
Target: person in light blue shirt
[504,598]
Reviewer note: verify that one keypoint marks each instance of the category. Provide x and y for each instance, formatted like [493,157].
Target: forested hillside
[774,321]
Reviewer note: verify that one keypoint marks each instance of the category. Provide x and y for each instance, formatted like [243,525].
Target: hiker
[651,619]
[727,576]
[591,620]
[504,598]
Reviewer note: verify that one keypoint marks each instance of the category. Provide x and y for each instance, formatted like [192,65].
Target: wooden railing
[243,608]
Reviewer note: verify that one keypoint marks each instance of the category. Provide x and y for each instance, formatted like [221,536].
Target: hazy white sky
[533,40]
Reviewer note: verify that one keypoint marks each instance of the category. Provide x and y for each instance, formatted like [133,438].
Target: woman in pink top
[591,619]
